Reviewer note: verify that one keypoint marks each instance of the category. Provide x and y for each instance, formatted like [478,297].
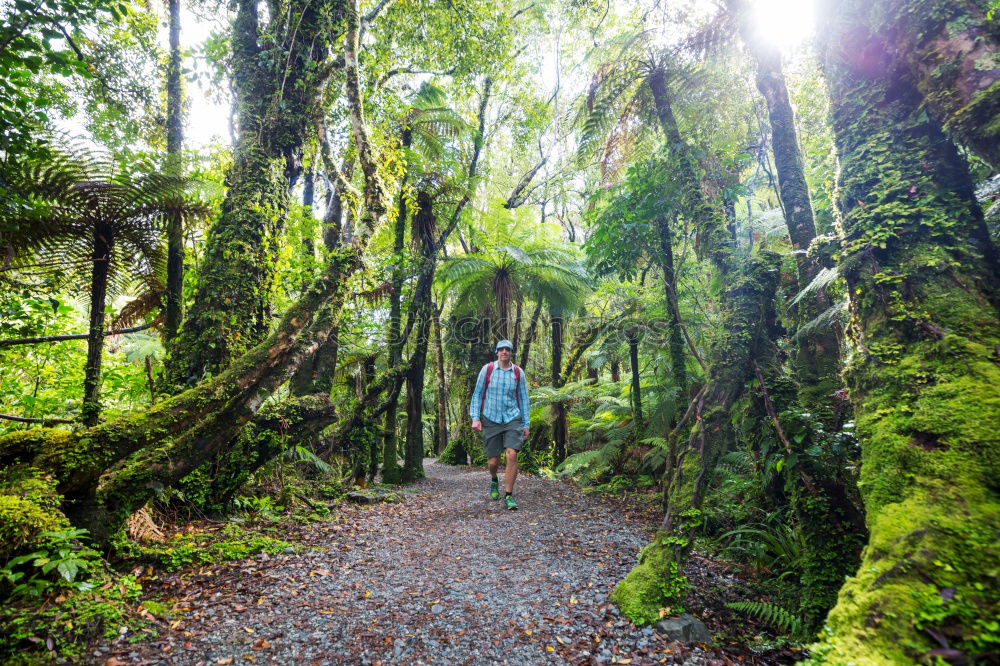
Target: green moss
[654,585]
[453,454]
[29,505]
[933,562]
[198,549]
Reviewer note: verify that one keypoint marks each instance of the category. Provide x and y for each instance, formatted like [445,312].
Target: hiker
[500,410]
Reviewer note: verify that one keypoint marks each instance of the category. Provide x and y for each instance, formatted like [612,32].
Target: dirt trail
[445,577]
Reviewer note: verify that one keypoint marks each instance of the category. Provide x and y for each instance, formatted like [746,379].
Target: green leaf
[68,569]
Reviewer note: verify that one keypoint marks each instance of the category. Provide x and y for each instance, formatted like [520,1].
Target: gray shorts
[500,436]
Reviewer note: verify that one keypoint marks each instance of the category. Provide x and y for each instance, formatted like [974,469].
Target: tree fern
[825,318]
[822,279]
[770,614]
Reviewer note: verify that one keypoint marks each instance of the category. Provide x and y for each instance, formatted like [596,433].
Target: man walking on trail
[500,410]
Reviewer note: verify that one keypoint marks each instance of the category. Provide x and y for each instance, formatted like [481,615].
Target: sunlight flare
[785,23]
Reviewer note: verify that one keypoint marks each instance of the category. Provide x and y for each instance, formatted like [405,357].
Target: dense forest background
[745,251]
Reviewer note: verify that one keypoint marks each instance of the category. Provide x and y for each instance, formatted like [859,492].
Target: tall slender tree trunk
[391,472]
[678,369]
[422,312]
[530,335]
[923,281]
[714,240]
[633,358]
[560,426]
[174,312]
[817,357]
[442,385]
[101,257]
[516,339]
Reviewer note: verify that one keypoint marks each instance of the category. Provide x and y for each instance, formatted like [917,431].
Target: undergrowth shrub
[200,548]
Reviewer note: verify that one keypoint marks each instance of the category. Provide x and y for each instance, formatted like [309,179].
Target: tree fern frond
[825,319]
[771,614]
[822,279]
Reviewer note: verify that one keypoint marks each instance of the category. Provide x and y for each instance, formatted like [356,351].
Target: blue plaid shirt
[500,405]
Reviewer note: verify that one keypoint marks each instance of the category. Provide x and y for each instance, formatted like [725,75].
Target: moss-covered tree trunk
[817,355]
[952,52]
[657,581]
[678,369]
[277,72]
[923,282]
[106,472]
[103,242]
[273,430]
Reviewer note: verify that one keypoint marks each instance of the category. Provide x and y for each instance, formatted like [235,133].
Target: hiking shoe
[509,502]
[494,490]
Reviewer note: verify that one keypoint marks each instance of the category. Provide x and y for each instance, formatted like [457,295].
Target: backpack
[486,385]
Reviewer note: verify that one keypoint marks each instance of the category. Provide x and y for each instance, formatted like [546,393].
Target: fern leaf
[770,614]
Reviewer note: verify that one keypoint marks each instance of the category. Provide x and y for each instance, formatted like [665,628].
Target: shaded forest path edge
[447,576]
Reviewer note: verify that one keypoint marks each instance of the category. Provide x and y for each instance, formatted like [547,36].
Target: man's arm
[477,396]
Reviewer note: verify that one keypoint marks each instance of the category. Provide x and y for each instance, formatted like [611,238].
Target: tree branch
[375,194]
[73,336]
[375,11]
[513,200]
[22,419]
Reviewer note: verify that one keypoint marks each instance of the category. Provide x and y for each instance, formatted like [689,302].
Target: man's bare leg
[494,465]
[510,473]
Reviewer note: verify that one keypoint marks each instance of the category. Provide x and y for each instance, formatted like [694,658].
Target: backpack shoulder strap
[517,378]
[486,385]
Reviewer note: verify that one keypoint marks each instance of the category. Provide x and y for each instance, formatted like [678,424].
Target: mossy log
[923,280]
[106,472]
[656,581]
[276,428]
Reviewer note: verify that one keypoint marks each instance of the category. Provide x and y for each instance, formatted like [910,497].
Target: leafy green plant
[775,616]
[64,624]
[58,562]
[775,548]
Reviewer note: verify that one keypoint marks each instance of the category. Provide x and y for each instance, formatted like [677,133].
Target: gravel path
[445,577]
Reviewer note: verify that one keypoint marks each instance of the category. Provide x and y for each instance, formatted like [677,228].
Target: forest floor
[445,576]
